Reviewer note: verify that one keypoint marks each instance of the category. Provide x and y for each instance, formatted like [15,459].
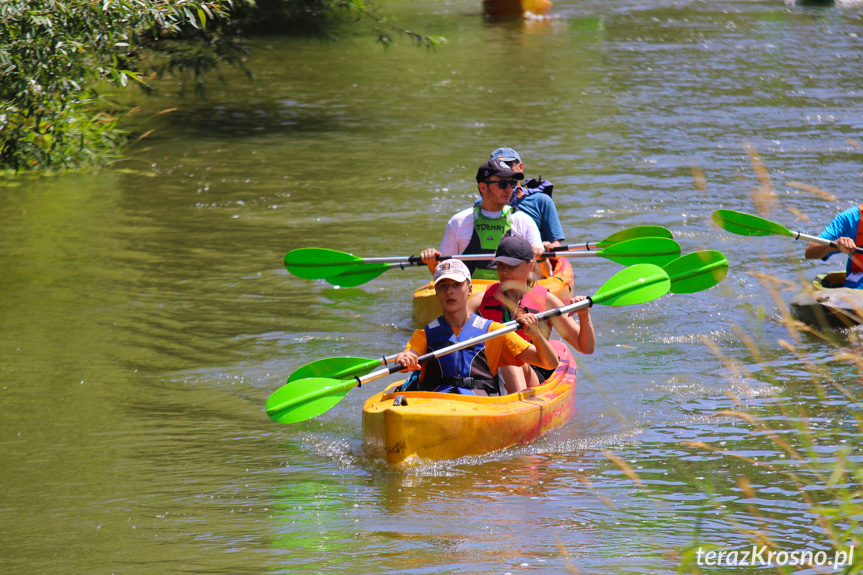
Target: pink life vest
[492,306]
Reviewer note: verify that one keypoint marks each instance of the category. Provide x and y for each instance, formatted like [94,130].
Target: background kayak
[825,304]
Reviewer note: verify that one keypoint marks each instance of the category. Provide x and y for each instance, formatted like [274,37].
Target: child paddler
[517,292]
[471,371]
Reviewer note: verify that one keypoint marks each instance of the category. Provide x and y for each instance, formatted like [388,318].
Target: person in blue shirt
[534,199]
[845,231]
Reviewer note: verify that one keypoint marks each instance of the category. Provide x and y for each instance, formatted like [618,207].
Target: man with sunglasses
[479,229]
[534,199]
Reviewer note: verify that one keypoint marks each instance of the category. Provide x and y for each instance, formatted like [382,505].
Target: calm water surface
[146,316]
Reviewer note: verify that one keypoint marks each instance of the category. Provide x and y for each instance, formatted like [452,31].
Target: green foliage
[55,53]
[318,18]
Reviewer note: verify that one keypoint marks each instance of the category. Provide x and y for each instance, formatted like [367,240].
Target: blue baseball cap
[505,154]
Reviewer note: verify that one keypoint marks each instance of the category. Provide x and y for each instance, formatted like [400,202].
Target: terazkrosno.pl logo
[765,557]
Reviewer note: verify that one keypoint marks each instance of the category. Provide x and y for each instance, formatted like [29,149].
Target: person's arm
[579,335]
[819,251]
[540,354]
[525,227]
[430,258]
[415,347]
[474,302]
[448,245]
[408,359]
[551,222]
[840,230]
[457,234]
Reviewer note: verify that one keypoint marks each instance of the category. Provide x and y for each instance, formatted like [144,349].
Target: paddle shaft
[612,293]
[617,237]
[346,372]
[508,327]
[822,241]
[586,246]
[750,225]
[417,260]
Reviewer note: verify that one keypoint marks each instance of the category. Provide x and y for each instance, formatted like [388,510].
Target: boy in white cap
[471,371]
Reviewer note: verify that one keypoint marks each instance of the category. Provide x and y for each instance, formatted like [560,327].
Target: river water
[146,315]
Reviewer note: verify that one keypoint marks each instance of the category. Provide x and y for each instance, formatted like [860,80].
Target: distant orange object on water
[516,8]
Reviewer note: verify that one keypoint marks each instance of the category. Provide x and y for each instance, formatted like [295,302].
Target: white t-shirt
[459,230]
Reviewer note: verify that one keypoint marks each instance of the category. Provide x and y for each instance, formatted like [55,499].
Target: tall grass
[816,457]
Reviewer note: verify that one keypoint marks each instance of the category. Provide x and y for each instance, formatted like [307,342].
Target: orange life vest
[857,259]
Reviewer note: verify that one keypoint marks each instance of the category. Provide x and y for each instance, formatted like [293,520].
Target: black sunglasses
[503,184]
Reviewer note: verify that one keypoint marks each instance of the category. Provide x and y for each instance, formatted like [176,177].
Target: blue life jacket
[459,372]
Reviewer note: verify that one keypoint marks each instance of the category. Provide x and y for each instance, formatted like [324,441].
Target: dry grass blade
[625,467]
[567,558]
[699,179]
[764,196]
[817,191]
[798,215]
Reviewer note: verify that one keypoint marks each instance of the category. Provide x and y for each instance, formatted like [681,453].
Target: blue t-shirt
[540,207]
[844,225]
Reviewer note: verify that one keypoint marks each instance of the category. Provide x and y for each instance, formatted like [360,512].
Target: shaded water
[146,316]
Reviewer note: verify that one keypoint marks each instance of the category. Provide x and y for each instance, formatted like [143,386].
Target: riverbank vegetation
[59,58]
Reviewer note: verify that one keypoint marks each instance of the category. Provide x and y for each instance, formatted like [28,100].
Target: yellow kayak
[413,426]
[426,308]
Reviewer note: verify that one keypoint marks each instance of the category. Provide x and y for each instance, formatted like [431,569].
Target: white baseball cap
[451,269]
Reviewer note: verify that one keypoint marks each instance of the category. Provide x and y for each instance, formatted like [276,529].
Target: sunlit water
[146,315]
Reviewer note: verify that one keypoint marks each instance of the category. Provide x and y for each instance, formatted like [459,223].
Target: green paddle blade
[336,368]
[748,225]
[634,233]
[319,263]
[636,284]
[304,399]
[358,275]
[697,271]
[656,251]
